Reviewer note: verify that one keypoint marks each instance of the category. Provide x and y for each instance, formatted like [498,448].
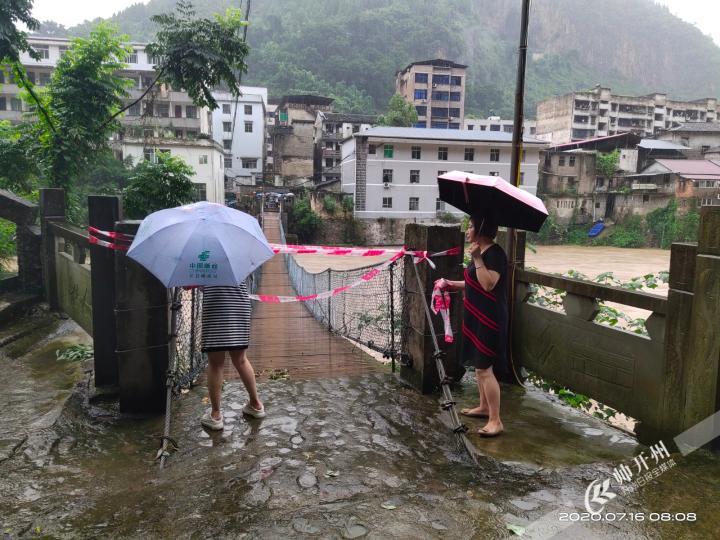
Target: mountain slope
[351,50]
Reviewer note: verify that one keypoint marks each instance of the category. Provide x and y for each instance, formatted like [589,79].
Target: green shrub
[353,232]
[347,204]
[628,234]
[329,204]
[303,221]
[7,243]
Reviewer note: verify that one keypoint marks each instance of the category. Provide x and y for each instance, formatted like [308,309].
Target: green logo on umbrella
[204,255]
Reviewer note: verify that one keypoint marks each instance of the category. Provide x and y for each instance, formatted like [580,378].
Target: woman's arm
[487,278]
[452,285]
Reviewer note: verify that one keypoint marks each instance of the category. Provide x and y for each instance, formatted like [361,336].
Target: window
[371,149]
[470,127]
[454,125]
[62,49]
[561,161]
[178,111]
[414,203]
[356,128]
[439,205]
[132,58]
[420,94]
[249,163]
[571,161]
[388,151]
[646,198]
[507,129]
[227,144]
[44,79]
[227,162]
[226,108]
[190,111]
[421,78]
[440,173]
[163,110]
[456,80]
[153,60]
[441,79]
[134,110]
[203,159]
[439,125]
[43,51]
[455,96]
[31,76]
[178,133]
[147,82]
[442,153]
[387,202]
[416,152]
[421,110]
[148,133]
[483,128]
[494,173]
[454,111]
[149,155]
[227,127]
[597,205]
[3,103]
[191,134]
[705,149]
[329,162]
[439,112]
[441,96]
[387,175]
[469,154]
[494,154]
[248,127]
[248,109]
[494,127]
[414,176]
[522,178]
[422,124]
[15,105]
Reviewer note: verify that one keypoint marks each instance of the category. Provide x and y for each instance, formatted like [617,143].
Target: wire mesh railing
[189,359]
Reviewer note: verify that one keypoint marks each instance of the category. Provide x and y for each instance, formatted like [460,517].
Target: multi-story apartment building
[392,172]
[292,137]
[165,119]
[239,127]
[270,109]
[599,113]
[437,90]
[330,130]
[495,123]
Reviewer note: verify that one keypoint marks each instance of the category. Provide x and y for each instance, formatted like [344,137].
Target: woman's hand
[443,284]
[476,255]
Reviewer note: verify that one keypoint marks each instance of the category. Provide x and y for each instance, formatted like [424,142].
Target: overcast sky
[705,14]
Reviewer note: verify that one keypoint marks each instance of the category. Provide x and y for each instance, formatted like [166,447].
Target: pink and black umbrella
[494,198]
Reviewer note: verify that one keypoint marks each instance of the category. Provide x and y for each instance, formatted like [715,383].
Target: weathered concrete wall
[73,289]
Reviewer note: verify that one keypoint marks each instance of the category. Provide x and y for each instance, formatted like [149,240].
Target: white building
[165,119]
[330,130]
[270,109]
[495,123]
[392,172]
[238,125]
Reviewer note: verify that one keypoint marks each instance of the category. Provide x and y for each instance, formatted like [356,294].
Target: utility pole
[517,147]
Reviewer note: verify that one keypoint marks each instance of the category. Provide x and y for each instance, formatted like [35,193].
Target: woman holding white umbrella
[214,247]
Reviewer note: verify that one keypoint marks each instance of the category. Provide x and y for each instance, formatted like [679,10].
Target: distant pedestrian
[485,319]
[226,329]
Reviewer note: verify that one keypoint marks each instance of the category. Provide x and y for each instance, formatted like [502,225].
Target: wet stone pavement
[346,457]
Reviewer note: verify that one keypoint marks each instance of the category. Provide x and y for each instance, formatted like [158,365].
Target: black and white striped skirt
[225,318]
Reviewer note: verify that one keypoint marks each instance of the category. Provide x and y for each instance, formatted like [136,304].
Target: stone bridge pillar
[417,364]
[142,327]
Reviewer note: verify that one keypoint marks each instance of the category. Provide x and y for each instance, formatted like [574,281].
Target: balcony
[332,136]
[331,170]
[638,186]
[330,152]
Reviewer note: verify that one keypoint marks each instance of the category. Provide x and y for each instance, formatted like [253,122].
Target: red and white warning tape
[122,237]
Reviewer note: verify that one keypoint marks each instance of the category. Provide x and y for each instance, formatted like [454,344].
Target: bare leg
[216,363]
[482,408]
[247,375]
[491,390]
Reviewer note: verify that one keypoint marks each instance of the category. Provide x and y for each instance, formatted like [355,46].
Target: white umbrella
[200,244]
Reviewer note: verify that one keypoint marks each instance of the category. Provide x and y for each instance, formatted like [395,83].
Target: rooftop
[305,99]
[654,144]
[600,143]
[693,168]
[437,62]
[697,127]
[444,135]
[350,117]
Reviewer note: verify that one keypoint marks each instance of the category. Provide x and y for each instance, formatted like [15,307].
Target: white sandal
[251,411]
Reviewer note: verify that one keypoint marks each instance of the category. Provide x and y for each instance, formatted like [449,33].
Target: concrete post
[103,212]
[418,365]
[142,328]
[52,208]
[703,353]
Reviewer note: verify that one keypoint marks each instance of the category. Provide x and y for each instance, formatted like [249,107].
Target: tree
[400,113]
[161,183]
[12,40]
[606,163]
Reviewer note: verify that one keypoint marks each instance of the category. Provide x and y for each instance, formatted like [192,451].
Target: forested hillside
[351,49]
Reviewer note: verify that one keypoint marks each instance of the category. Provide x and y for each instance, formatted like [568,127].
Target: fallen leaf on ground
[515,529]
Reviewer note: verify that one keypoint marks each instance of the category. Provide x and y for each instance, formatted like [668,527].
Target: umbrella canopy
[494,198]
[200,244]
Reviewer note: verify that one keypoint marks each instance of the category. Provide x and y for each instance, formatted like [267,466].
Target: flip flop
[465,412]
[488,434]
